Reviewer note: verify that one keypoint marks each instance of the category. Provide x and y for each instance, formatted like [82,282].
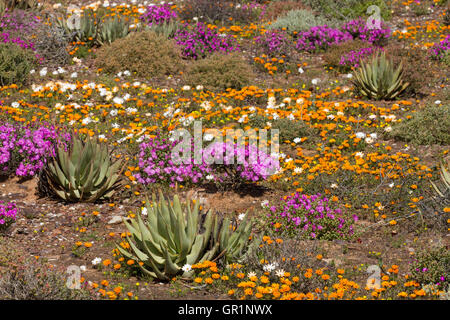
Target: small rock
[115,220]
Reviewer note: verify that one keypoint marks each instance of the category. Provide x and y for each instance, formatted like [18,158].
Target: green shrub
[95,29]
[298,20]
[219,72]
[144,53]
[15,64]
[431,266]
[428,126]
[348,9]
[166,29]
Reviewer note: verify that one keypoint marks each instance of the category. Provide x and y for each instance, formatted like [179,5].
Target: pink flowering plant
[25,150]
[320,38]
[8,214]
[157,165]
[358,29]
[225,164]
[158,14]
[440,49]
[310,217]
[353,58]
[199,41]
[274,43]
[235,164]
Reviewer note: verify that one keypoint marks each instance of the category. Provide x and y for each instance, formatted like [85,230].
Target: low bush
[15,64]
[425,127]
[219,72]
[24,278]
[144,53]
[419,70]
[432,267]
[310,217]
[346,55]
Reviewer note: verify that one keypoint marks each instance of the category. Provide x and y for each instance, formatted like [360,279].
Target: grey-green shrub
[299,20]
[428,126]
[348,9]
[15,64]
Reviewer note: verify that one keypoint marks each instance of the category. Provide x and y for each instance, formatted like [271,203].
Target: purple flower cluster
[222,163]
[17,24]
[18,21]
[312,217]
[233,163]
[157,166]
[320,37]
[5,37]
[273,42]
[26,150]
[201,41]
[353,58]
[158,14]
[8,214]
[438,51]
[358,30]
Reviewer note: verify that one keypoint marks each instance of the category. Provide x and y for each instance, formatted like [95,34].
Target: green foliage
[220,71]
[144,53]
[176,234]
[18,4]
[377,79]
[348,9]
[299,20]
[95,30]
[84,173]
[431,265]
[425,127]
[15,64]
[113,29]
[166,29]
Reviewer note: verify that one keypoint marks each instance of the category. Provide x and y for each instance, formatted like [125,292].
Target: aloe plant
[18,4]
[174,235]
[113,29]
[443,191]
[378,79]
[432,207]
[84,173]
